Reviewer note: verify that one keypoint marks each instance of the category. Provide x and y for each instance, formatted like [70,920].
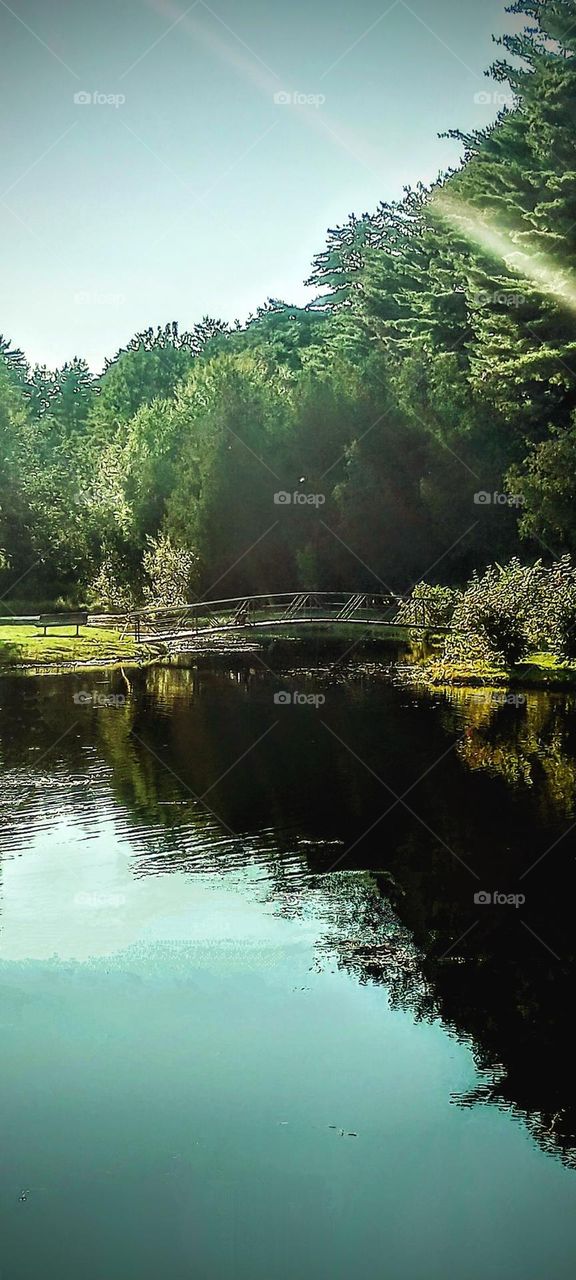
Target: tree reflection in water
[177,767]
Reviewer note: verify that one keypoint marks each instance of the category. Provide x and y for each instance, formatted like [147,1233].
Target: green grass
[539,671]
[27,646]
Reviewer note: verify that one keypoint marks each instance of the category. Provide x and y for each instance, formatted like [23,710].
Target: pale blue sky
[199,193]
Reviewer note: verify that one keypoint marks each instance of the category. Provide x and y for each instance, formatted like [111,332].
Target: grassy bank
[25,646]
[539,671]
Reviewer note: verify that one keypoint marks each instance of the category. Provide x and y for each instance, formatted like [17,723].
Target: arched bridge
[287,610]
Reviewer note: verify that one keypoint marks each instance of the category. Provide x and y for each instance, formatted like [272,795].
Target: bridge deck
[284,611]
[288,623]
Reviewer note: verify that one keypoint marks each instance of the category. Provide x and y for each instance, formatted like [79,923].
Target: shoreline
[541,672]
[24,652]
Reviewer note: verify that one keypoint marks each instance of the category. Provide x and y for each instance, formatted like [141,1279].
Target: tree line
[417,419]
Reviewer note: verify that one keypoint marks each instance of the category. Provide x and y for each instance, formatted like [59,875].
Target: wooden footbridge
[283,612]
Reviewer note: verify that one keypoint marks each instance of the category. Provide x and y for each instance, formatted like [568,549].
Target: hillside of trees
[435,369]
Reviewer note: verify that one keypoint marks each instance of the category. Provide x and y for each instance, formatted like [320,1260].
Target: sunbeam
[501,242]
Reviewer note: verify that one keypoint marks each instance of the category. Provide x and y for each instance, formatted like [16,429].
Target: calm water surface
[253,1022]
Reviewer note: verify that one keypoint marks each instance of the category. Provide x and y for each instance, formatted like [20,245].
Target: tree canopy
[418,418]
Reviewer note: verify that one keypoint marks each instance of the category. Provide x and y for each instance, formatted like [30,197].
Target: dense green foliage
[512,610]
[417,420]
[428,605]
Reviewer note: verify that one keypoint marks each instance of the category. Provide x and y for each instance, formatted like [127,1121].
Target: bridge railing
[243,611]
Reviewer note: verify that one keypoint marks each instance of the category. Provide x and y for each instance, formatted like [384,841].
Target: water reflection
[384,810]
[525,738]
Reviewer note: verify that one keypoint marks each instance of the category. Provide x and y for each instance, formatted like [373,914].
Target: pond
[286,977]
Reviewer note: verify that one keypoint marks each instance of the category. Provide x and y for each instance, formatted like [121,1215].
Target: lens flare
[500,242]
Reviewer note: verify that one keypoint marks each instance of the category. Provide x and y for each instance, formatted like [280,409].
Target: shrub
[565,638]
[513,609]
[505,635]
[430,605]
[171,570]
[495,619]
[109,589]
[558,614]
